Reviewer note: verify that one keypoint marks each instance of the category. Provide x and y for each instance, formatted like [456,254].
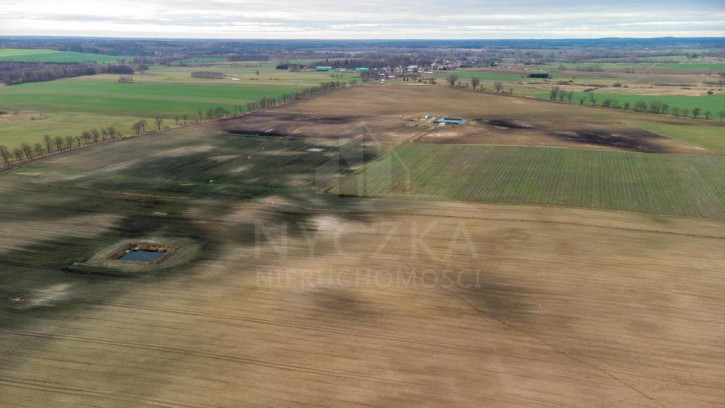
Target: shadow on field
[632,140]
[498,300]
[343,304]
[237,167]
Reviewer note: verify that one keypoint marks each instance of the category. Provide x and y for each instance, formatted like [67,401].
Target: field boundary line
[478,217]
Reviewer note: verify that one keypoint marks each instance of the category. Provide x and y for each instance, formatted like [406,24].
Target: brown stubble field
[392,115]
[535,122]
[302,299]
[539,307]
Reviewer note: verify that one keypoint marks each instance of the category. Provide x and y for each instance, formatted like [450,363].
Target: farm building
[323,68]
[450,121]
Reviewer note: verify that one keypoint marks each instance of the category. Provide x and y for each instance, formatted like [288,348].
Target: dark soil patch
[252,131]
[290,124]
[506,123]
[630,140]
[333,120]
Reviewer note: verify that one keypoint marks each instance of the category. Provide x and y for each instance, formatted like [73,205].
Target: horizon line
[357,39]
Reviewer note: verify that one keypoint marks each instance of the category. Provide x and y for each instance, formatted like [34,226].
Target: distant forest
[151,47]
[14,73]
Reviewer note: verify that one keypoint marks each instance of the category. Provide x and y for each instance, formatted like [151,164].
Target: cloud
[364,20]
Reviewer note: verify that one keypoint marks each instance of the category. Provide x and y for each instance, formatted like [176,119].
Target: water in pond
[142,256]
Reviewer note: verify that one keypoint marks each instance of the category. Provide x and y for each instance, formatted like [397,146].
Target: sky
[376,19]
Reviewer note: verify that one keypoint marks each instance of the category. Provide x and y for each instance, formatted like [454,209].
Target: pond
[142,256]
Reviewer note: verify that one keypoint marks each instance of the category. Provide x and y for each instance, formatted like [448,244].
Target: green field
[50,56]
[103,95]
[654,183]
[709,137]
[712,103]
[483,76]
[76,104]
[611,66]
[198,60]
[692,65]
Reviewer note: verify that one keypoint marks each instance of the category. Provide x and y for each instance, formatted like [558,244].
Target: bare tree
[722,115]
[95,134]
[593,99]
[5,153]
[475,82]
[554,93]
[38,149]
[186,118]
[498,86]
[452,79]
[158,122]
[708,115]
[139,126]
[27,150]
[48,143]
[18,152]
[58,143]
[696,113]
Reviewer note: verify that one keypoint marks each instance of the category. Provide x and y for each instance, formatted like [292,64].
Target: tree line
[266,103]
[208,74]
[655,106]
[498,86]
[19,73]
[58,144]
